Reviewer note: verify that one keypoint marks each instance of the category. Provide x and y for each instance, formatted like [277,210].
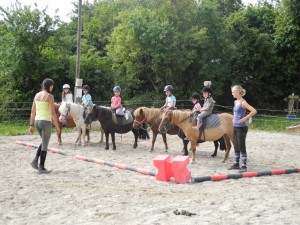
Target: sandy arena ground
[79,192]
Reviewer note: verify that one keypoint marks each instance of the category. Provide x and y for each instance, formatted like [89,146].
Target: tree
[255,64]
[23,51]
[287,45]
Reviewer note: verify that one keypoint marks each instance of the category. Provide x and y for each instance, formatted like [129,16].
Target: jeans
[239,142]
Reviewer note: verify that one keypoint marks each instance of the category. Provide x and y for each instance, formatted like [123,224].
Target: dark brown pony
[182,120]
[104,115]
[153,117]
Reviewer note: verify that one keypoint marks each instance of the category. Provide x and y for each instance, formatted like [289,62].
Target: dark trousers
[239,142]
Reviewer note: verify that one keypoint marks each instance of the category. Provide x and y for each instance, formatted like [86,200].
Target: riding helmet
[66,86]
[168,88]
[86,87]
[196,96]
[117,88]
[207,89]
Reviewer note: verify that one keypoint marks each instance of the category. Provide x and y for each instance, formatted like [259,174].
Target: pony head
[140,118]
[64,110]
[92,116]
[165,121]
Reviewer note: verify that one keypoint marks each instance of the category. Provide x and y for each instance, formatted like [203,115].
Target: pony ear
[141,111]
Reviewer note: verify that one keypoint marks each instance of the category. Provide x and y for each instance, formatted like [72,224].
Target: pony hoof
[193,162]
[223,161]
[166,150]
[213,155]
[114,149]
[151,150]
[106,148]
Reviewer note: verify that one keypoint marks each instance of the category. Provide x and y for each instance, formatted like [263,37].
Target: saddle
[210,121]
[121,120]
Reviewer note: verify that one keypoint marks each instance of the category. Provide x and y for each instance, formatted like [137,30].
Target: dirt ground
[79,192]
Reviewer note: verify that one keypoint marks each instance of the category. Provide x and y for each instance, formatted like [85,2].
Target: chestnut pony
[153,116]
[182,120]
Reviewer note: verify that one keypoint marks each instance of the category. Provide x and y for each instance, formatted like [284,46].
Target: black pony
[105,116]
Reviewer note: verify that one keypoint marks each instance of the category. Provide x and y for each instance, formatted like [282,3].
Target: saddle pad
[121,120]
[212,121]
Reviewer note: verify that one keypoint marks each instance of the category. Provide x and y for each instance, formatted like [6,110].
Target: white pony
[76,111]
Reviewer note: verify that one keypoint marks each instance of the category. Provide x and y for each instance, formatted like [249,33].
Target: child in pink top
[116,102]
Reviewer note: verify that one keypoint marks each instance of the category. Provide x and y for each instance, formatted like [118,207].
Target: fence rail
[20,111]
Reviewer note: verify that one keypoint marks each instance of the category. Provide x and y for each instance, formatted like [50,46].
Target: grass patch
[21,127]
[260,122]
[272,123]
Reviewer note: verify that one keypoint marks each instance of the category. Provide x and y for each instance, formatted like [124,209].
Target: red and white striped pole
[117,165]
[30,145]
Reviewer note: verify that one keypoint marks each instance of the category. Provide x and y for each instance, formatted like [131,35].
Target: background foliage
[142,45]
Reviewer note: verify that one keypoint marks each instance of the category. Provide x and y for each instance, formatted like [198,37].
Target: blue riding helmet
[86,87]
[168,88]
[117,88]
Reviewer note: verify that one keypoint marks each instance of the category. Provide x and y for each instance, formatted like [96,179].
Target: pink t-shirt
[197,107]
[116,100]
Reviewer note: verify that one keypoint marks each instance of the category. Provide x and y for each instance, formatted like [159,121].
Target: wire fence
[19,112]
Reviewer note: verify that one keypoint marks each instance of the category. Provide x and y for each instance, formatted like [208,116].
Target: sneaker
[235,166]
[243,169]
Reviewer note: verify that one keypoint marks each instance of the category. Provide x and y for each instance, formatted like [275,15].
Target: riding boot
[198,126]
[34,162]
[42,168]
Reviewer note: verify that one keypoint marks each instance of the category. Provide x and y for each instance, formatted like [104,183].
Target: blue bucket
[291,117]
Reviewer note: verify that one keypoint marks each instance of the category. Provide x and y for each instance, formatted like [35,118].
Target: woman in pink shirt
[116,102]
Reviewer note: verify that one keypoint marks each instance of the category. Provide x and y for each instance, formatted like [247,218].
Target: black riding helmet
[196,96]
[207,89]
[86,87]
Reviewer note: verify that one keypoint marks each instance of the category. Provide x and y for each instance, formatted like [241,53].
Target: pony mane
[181,115]
[105,111]
[152,114]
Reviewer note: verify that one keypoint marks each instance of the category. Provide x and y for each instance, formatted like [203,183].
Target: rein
[67,114]
[170,120]
[184,119]
[142,121]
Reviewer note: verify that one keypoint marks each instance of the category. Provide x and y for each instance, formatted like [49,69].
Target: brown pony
[153,116]
[182,120]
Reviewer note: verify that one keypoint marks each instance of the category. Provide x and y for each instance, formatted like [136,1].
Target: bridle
[140,123]
[68,112]
[167,124]
[169,121]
